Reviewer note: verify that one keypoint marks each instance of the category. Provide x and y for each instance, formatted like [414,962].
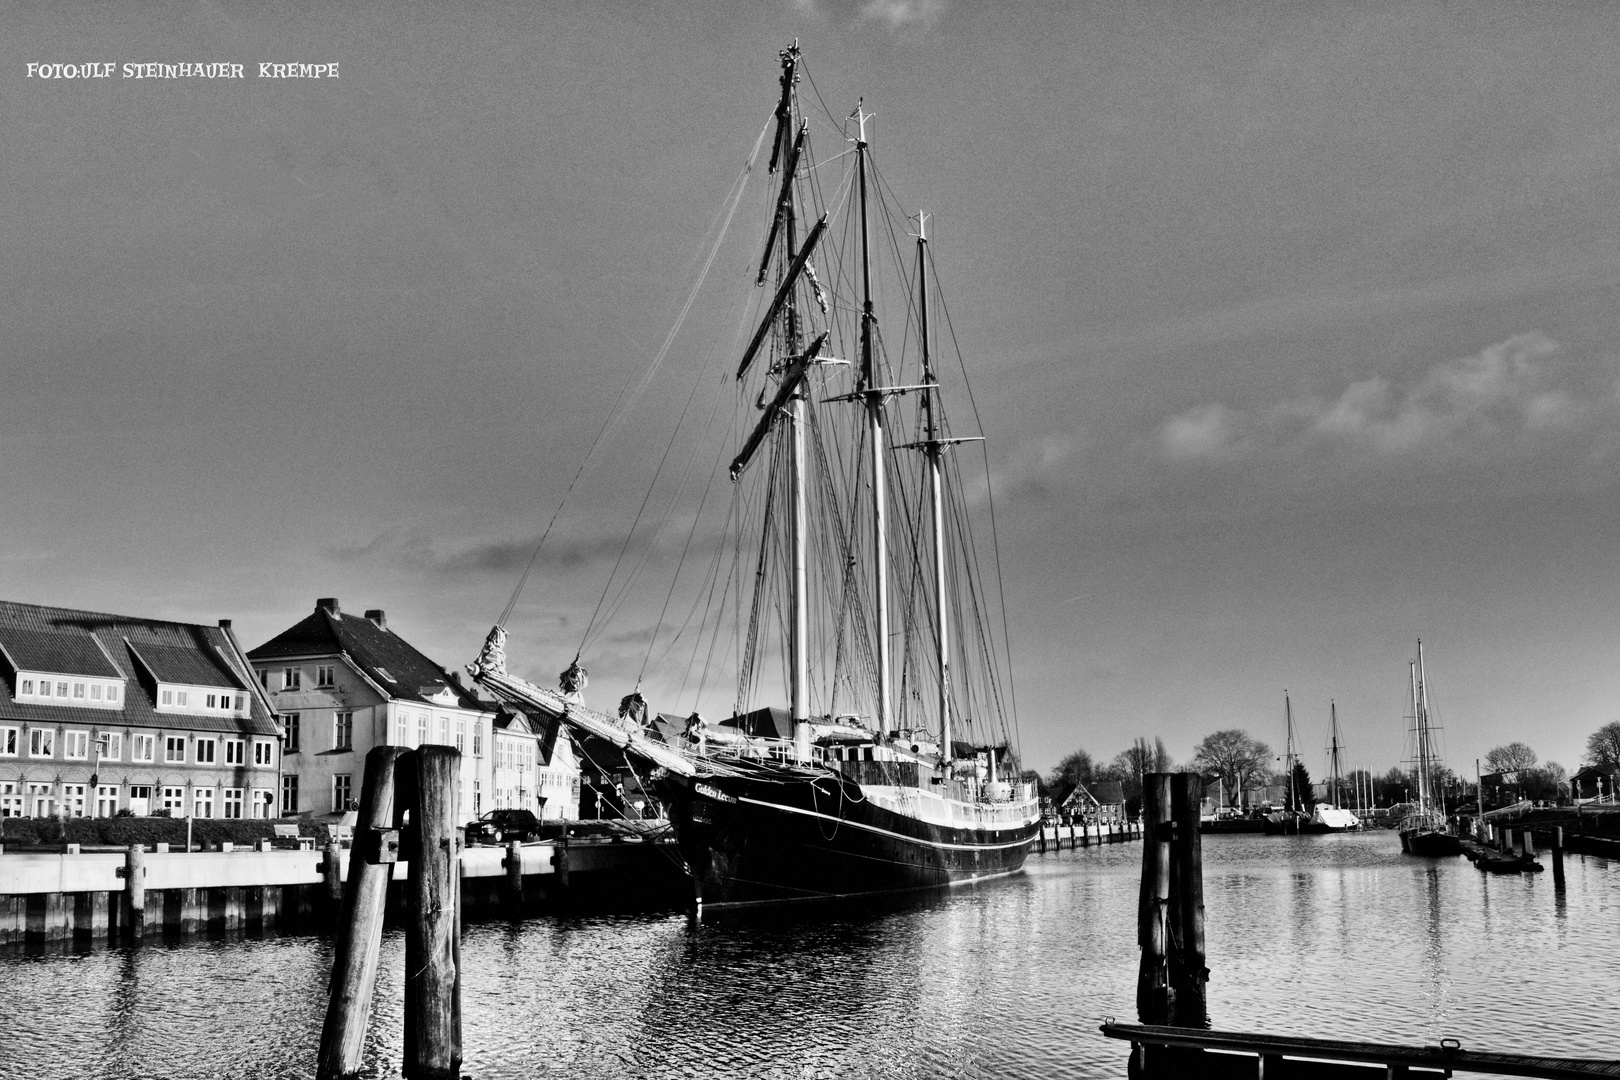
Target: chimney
[376,616]
[224,624]
[329,604]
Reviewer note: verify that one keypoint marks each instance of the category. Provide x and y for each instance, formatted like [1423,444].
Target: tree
[1233,755]
[1393,787]
[1603,747]
[1071,772]
[1511,758]
[1302,784]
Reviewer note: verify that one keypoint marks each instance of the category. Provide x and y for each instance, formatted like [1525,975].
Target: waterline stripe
[883,832]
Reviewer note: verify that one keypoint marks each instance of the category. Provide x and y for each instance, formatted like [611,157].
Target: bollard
[1527,845]
[433,923]
[359,938]
[514,872]
[134,874]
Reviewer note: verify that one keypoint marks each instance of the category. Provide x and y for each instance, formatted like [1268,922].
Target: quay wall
[1055,837]
[84,897]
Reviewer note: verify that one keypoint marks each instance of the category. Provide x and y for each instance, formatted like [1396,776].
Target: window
[264,753]
[11,803]
[73,800]
[233,802]
[140,799]
[182,697]
[343,731]
[402,734]
[26,688]
[112,746]
[142,747]
[213,701]
[478,738]
[41,802]
[206,751]
[95,691]
[235,752]
[78,693]
[290,743]
[461,735]
[421,728]
[289,796]
[478,800]
[174,801]
[263,803]
[203,802]
[41,742]
[61,689]
[174,749]
[76,745]
[106,800]
[112,693]
[8,742]
[444,730]
[291,679]
[264,678]
[166,697]
[323,675]
[341,786]
[238,702]
[384,673]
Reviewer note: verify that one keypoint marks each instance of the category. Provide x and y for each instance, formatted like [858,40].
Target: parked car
[499,826]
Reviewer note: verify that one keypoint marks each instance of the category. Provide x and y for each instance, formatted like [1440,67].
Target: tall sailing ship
[853,578]
[1425,829]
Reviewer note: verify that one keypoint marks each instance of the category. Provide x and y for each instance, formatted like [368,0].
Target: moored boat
[1425,830]
[897,770]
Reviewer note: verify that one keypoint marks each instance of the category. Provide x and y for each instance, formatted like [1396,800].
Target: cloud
[898,13]
[415,549]
[1497,399]
[1204,431]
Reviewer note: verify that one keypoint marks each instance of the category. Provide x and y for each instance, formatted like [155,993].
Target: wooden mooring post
[359,937]
[1170,915]
[425,785]
[1557,855]
[133,922]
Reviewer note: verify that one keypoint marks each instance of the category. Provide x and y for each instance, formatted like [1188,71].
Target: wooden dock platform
[1158,1051]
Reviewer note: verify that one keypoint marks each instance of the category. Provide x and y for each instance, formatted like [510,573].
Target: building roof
[387,659]
[141,652]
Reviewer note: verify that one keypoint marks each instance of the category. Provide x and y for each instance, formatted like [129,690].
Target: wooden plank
[1422,1057]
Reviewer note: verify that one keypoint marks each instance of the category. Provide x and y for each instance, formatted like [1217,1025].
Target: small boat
[1424,830]
[894,772]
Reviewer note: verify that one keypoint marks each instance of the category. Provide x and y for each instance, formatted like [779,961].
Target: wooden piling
[514,873]
[1187,971]
[332,876]
[134,913]
[1153,993]
[1557,854]
[433,927]
[359,938]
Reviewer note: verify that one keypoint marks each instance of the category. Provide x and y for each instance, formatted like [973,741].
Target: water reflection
[1327,936]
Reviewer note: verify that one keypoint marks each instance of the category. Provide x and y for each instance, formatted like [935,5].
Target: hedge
[122,831]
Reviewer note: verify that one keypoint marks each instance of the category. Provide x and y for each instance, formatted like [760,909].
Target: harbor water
[1322,936]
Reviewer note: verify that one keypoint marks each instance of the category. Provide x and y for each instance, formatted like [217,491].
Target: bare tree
[1603,747]
[1513,757]
[1233,755]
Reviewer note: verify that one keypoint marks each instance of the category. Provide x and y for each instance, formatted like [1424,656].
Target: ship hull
[1430,843]
[788,835]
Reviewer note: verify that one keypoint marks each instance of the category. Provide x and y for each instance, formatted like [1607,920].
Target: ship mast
[874,395]
[1333,734]
[1425,781]
[931,449]
[1288,754]
[799,645]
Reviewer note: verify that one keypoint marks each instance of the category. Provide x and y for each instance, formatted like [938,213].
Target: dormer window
[83,692]
[26,688]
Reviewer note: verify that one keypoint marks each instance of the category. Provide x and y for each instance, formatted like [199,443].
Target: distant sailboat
[1425,830]
[1293,819]
[1330,816]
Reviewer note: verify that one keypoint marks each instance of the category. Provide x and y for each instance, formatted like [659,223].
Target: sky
[1290,327]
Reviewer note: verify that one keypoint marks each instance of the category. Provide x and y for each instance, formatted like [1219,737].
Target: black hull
[781,834]
[1430,844]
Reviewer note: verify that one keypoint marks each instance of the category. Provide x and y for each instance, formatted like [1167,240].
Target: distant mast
[1289,755]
